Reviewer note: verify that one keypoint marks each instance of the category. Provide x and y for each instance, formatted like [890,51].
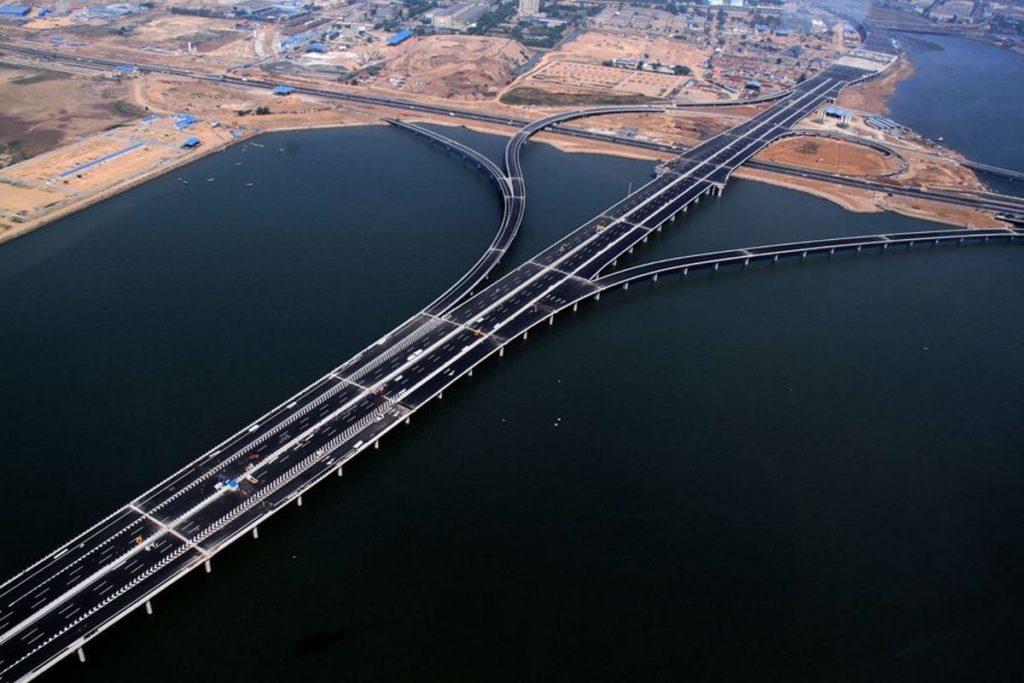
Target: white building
[529,8]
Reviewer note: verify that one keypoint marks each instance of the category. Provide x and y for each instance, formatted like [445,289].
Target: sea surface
[796,472]
[968,94]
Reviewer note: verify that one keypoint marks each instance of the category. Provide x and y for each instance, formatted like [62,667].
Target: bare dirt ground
[41,109]
[451,67]
[867,201]
[833,156]
[577,69]
[873,96]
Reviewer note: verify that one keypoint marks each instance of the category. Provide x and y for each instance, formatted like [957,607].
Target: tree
[681,70]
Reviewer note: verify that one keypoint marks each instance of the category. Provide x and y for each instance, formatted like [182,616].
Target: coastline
[872,96]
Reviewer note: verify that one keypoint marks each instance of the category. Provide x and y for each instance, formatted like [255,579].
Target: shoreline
[873,95]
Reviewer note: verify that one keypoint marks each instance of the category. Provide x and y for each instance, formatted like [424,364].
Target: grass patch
[40,76]
[538,97]
[128,109]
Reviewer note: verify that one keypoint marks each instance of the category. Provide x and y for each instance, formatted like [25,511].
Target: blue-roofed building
[124,68]
[15,11]
[318,48]
[843,115]
[782,32]
[399,38]
[191,142]
[283,90]
[183,121]
[754,85]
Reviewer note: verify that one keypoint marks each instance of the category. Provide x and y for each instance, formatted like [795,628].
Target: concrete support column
[81,655]
[686,271]
[376,445]
[551,320]
[655,277]
[526,335]
[255,532]
[597,297]
[501,352]
[716,266]
[440,396]
[626,286]
[407,419]
[207,567]
[575,306]
[470,372]
[149,607]
[340,471]
[775,259]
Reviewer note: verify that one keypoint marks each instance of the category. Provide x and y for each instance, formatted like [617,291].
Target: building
[387,11]
[14,11]
[529,8]
[191,142]
[459,17]
[399,38]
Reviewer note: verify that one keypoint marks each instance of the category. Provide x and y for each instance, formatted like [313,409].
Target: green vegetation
[500,14]
[40,75]
[543,98]
[681,70]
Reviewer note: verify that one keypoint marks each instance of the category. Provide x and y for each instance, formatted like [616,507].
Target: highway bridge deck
[91,582]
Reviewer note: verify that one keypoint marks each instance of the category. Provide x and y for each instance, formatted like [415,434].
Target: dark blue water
[970,94]
[800,472]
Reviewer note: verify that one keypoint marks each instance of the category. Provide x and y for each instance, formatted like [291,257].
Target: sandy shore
[871,96]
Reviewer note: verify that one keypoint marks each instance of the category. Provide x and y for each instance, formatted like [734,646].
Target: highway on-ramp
[54,606]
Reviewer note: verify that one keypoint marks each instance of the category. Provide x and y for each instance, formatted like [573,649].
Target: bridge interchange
[54,606]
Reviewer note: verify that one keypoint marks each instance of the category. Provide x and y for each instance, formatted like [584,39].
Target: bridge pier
[831,251]
[440,396]
[206,566]
[575,306]
[470,372]
[501,352]
[81,655]
[803,255]
[631,250]
[526,335]
[597,297]
[149,607]
[407,419]
[655,277]
[255,532]
[615,262]
[298,501]
[339,471]
[716,266]
[885,246]
[626,286]
[746,262]
[685,271]
[775,259]
[551,320]
[376,445]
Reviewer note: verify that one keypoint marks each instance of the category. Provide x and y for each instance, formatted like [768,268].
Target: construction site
[72,134]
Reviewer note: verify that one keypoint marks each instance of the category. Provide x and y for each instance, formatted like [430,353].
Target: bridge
[54,606]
